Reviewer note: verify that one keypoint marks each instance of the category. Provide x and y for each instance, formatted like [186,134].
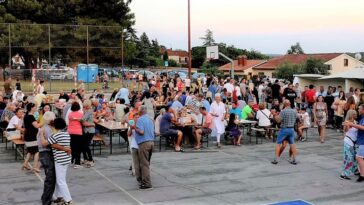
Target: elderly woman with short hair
[46,156]
[88,122]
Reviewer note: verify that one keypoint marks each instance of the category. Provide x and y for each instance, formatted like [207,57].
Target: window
[274,75]
[346,62]
[261,74]
[329,67]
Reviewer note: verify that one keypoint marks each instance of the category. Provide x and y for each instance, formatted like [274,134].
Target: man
[8,113]
[356,96]
[276,88]
[194,102]
[63,95]
[177,105]
[206,128]
[123,94]
[260,91]
[310,96]
[165,128]
[7,87]
[247,112]
[290,95]
[188,84]
[144,136]
[321,92]
[229,86]
[287,118]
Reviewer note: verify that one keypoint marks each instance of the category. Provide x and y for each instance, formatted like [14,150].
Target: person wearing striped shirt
[60,143]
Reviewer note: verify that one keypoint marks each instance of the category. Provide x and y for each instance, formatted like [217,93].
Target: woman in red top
[179,84]
[75,131]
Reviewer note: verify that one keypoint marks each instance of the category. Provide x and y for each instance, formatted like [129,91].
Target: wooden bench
[19,143]
[96,141]
[259,133]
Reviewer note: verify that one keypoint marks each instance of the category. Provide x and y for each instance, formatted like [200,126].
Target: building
[180,56]
[242,67]
[337,62]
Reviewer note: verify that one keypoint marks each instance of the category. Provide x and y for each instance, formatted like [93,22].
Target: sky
[269,26]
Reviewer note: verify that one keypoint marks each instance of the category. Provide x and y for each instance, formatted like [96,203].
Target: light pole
[189,41]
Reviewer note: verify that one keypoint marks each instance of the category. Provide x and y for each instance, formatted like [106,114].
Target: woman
[75,131]
[263,117]
[30,137]
[338,107]
[14,129]
[180,84]
[217,110]
[88,122]
[46,157]
[350,165]
[350,105]
[150,104]
[320,116]
[46,107]
[233,128]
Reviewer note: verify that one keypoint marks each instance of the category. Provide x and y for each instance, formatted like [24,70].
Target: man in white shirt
[229,86]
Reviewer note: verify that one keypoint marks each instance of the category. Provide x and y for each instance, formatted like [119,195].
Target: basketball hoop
[212,53]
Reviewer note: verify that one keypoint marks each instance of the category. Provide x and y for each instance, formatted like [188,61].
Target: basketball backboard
[212,52]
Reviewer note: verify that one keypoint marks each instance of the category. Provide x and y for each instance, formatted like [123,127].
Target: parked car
[147,73]
[196,75]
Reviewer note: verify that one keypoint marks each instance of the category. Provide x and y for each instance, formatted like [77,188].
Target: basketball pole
[189,42]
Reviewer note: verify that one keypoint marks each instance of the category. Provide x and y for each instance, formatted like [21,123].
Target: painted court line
[117,186]
[37,174]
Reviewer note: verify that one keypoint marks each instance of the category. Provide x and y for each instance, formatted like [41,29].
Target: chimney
[242,60]
[245,60]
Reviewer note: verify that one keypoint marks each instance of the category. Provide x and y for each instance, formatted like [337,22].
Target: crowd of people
[58,131]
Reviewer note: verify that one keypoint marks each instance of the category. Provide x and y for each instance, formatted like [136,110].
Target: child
[303,123]
[233,128]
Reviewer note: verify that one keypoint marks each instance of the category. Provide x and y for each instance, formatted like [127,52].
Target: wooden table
[248,123]
[112,126]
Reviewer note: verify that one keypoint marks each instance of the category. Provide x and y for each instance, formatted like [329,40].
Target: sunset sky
[269,26]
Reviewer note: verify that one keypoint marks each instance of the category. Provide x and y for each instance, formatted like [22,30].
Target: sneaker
[91,163]
[293,162]
[59,200]
[274,162]
[146,188]
[67,203]
[344,177]
[77,166]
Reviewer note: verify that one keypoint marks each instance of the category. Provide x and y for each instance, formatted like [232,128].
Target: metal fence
[59,44]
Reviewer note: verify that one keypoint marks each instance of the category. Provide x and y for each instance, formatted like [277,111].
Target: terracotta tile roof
[175,53]
[249,64]
[273,63]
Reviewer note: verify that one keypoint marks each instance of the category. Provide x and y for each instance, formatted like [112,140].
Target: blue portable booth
[82,72]
[93,71]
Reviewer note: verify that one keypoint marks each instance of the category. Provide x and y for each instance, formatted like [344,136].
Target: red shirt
[74,126]
[310,95]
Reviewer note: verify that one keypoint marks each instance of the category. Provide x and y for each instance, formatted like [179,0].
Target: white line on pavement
[117,186]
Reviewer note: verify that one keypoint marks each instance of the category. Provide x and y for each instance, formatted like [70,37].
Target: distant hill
[273,55]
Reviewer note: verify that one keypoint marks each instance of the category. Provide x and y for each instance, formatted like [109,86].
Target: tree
[286,70]
[165,56]
[315,66]
[296,49]
[114,13]
[208,39]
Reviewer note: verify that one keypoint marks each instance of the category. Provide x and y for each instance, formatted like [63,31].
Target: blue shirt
[184,97]
[124,94]
[145,124]
[176,105]
[360,139]
[165,123]
[206,104]
[236,111]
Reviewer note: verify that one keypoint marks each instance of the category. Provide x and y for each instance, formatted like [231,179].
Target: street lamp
[189,41]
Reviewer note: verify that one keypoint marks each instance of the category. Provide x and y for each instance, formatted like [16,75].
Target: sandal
[25,167]
[180,150]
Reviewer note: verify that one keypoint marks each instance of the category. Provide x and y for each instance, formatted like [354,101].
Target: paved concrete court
[242,175]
